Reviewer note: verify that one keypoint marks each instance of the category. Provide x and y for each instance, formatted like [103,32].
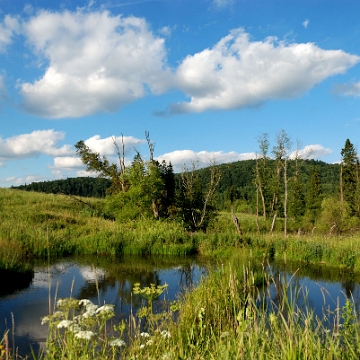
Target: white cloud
[27,180]
[33,144]
[166,31]
[67,163]
[96,62]
[347,89]
[106,146]
[305,23]
[179,158]
[222,3]
[8,28]
[238,73]
[3,91]
[311,152]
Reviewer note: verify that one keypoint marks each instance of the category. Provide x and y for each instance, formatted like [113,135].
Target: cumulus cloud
[347,89]
[67,162]
[96,62]
[34,144]
[179,158]
[238,72]
[8,28]
[311,152]
[106,146]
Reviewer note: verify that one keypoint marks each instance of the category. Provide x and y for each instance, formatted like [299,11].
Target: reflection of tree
[187,275]
[13,281]
[125,281]
[349,285]
[90,289]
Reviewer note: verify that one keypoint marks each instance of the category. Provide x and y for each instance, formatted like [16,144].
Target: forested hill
[237,181]
[81,186]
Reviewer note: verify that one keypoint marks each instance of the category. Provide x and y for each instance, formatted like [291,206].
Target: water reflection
[319,288]
[100,279]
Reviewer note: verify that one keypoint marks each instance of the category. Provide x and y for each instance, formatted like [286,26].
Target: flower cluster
[82,321]
[147,340]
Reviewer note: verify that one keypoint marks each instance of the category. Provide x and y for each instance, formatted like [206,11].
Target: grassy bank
[38,225]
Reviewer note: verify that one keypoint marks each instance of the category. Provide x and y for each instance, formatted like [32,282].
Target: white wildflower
[74,328]
[165,334]
[85,335]
[85,302]
[149,342]
[90,311]
[105,309]
[144,334]
[142,346]
[64,324]
[45,320]
[58,314]
[60,302]
[117,342]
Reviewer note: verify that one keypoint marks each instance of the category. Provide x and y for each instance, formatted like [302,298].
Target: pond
[111,280]
[99,279]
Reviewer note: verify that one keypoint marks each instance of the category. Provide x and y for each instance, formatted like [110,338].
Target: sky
[205,78]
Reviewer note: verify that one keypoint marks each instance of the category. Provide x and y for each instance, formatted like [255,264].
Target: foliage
[350,177]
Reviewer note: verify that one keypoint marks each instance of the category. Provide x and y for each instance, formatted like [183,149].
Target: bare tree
[281,152]
[196,198]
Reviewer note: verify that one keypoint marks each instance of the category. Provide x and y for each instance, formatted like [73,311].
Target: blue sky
[206,78]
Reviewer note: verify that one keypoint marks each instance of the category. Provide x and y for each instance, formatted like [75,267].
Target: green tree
[348,176]
[313,196]
[100,164]
[145,189]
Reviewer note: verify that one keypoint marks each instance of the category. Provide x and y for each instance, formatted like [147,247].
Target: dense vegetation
[81,186]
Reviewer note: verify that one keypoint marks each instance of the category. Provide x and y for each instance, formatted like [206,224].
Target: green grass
[38,225]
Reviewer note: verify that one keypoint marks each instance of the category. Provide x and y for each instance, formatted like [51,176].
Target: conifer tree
[348,176]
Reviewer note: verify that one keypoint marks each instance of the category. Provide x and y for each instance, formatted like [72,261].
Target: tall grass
[35,225]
